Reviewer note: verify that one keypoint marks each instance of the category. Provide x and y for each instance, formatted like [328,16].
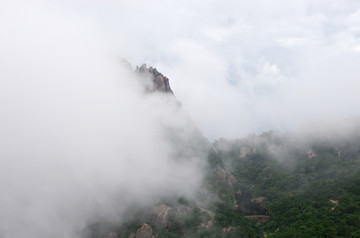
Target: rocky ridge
[153,79]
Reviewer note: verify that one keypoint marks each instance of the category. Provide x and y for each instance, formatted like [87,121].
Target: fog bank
[79,140]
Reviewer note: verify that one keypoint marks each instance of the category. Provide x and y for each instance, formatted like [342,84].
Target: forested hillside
[271,185]
[307,189]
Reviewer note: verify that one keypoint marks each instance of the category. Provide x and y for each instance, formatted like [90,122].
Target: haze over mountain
[79,139]
[261,66]
[83,139]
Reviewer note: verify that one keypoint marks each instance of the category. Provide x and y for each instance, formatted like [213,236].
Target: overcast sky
[239,66]
[78,140]
[243,66]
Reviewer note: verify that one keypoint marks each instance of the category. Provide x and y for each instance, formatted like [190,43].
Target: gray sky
[75,133]
[242,66]
[238,67]
[79,141]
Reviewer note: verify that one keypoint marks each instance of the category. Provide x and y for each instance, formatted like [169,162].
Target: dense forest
[307,190]
[270,185]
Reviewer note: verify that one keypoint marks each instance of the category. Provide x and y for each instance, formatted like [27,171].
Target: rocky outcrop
[159,215]
[156,82]
[144,231]
[210,222]
[207,225]
[228,229]
[226,176]
[310,154]
[244,151]
[339,155]
[334,203]
[112,235]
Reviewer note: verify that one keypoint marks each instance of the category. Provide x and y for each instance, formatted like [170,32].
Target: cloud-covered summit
[260,65]
[80,141]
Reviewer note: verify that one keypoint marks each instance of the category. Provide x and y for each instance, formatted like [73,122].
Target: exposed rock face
[221,173]
[339,155]
[335,203]
[156,81]
[159,215]
[251,206]
[209,223]
[228,229]
[244,151]
[310,154]
[226,177]
[229,179]
[184,137]
[112,235]
[144,231]
[132,235]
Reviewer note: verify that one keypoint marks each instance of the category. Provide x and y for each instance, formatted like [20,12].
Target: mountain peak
[156,81]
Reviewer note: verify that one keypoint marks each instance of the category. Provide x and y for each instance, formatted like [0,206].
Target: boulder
[226,176]
[159,215]
[144,231]
[159,83]
[112,235]
[210,222]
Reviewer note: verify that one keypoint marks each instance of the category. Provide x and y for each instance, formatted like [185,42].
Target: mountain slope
[273,184]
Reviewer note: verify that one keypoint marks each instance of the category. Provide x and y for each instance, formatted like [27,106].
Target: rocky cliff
[153,79]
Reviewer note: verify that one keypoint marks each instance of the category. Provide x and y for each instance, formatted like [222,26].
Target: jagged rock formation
[159,215]
[210,222]
[144,231]
[244,151]
[185,138]
[154,80]
[226,177]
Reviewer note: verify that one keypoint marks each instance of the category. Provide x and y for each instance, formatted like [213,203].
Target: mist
[80,141]
[261,66]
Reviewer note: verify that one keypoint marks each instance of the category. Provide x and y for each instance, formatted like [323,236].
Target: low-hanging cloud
[79,140]
[260,65]
[76,136]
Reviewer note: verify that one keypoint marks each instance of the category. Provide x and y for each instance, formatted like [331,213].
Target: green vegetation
[302,189]
[307,196]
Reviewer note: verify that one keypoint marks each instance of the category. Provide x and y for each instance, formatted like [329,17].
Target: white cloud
[237,67]
[243,39]
[79,142]
[291,41]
